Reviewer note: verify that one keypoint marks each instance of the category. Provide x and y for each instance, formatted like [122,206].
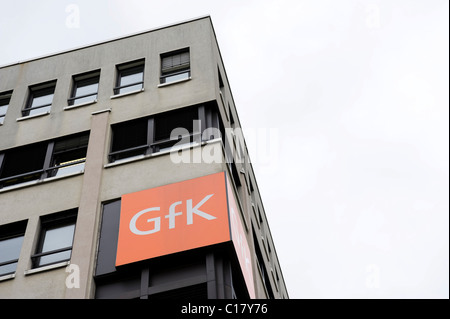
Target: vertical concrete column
[85,237]
[211,276]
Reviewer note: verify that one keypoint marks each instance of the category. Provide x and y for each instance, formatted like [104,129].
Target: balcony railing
[38,174]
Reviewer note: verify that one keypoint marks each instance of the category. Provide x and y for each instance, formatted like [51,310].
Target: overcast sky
[345,108]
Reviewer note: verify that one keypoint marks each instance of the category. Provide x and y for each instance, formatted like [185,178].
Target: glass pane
[58,238]
[86,99]
[10,248]
[42,100]
[8,269]
[177,77]
[77,168]
[3,109]
[54,258]
[86,89]
[131,78]
[40,110]
[127,89]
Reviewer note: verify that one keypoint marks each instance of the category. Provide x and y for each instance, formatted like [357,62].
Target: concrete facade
[102,181]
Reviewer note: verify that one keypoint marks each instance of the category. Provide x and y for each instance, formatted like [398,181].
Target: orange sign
[173,218]
[240,242]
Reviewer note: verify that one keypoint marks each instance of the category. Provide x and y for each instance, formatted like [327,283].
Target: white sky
[345,107]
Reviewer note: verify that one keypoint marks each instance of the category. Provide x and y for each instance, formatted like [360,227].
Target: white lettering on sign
[157,221]
[190,211]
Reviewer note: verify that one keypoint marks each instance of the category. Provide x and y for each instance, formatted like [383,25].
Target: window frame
[10,231]
[93,76]
[48,166]
[50,222]
[52,171]
[139,66]
[4,96]
[153,145]
[36,91]
[176,70]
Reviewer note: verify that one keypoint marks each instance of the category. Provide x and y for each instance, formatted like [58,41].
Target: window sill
[71,107]
[7,277]
[39,181]
[101,111]
[46,268]
[174,82]
[32,116]
[125,94]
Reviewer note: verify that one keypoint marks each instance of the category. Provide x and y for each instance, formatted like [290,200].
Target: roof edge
[107,41]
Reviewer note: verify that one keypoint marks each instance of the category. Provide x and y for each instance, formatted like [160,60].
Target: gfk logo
[190,211]
[173,218]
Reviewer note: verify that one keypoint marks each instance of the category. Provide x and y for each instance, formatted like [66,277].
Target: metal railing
[153,147]
[117,88]
[43,173]
[6,263]
[173,74]
[36,261]
[71,101]
[26,111]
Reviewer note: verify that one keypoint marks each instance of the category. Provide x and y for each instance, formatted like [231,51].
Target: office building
[124,174]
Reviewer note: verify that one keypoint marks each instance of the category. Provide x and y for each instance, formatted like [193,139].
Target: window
[40,99]
[149,135]
[11,238]
[175,66]
[23,164]
[58,157]
[129,139]
[130,77]
[5,97]
[85,88]
[183,119]
[69,155]
[55,239]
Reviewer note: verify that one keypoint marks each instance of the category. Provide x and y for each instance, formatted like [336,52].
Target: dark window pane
[129,135]
[24,160]
[11,239]
[166,122]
